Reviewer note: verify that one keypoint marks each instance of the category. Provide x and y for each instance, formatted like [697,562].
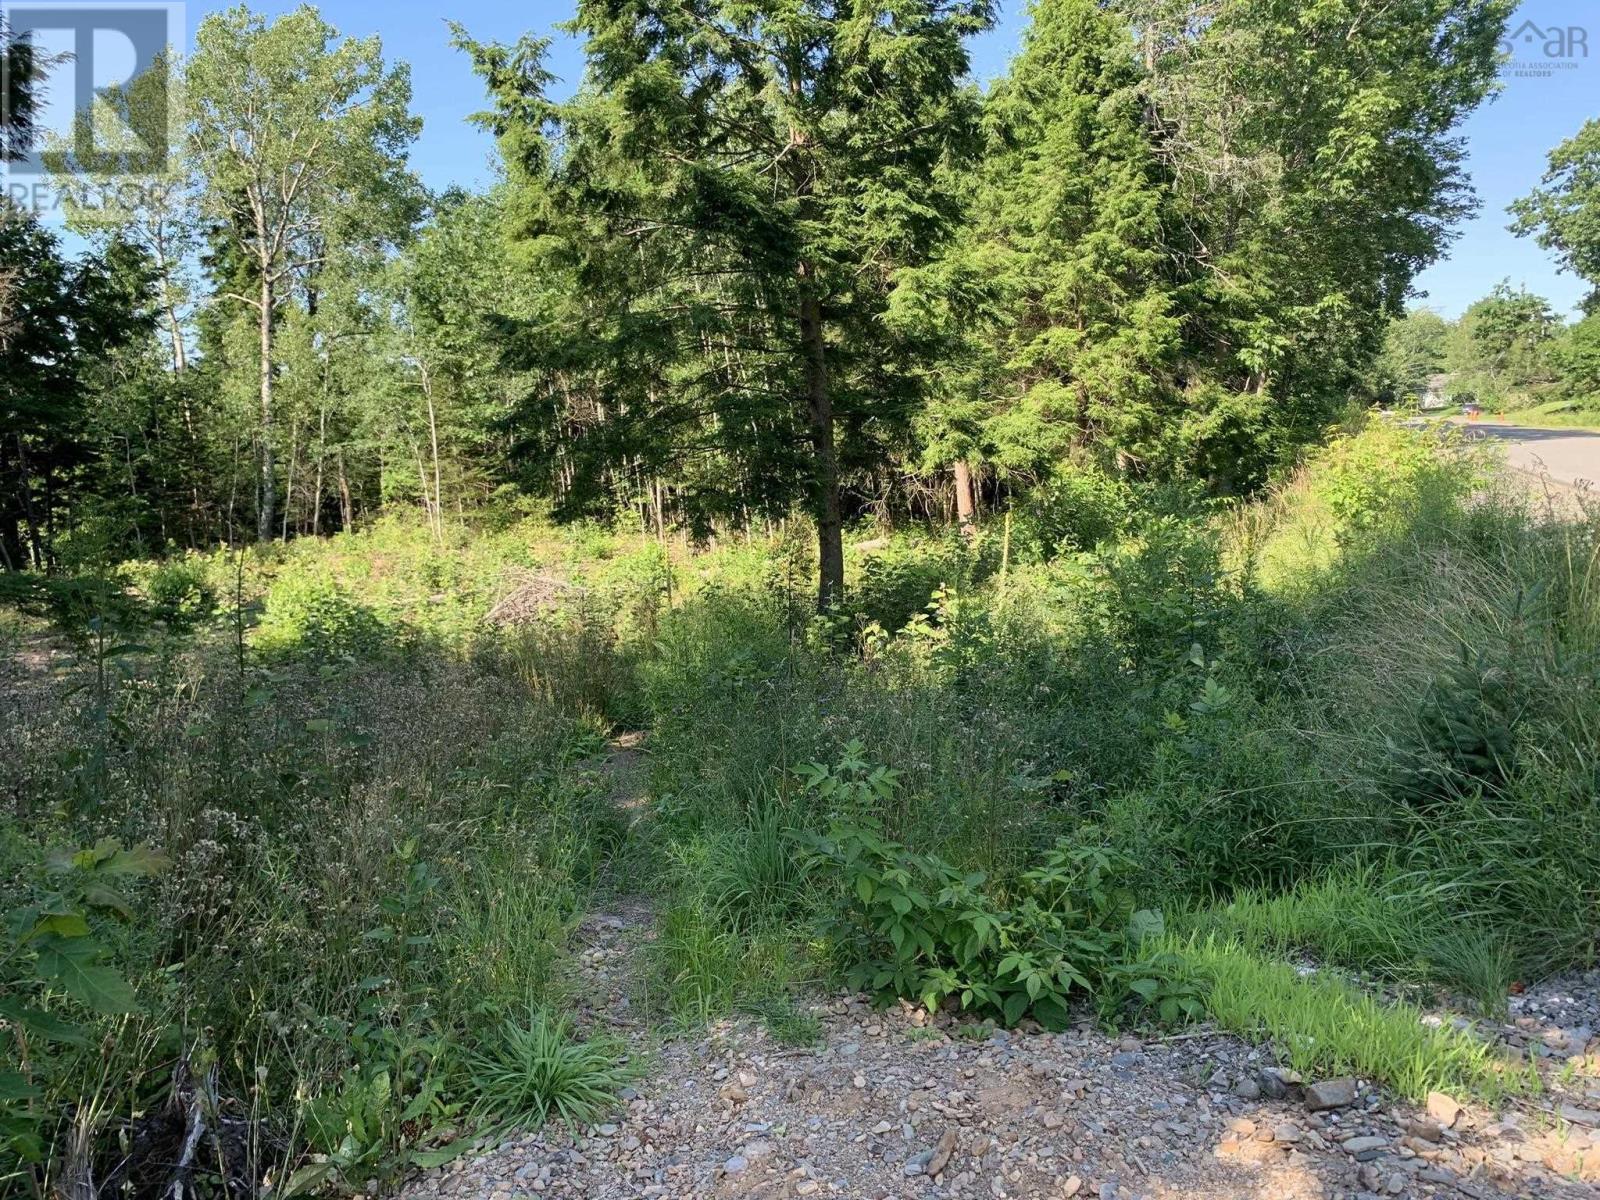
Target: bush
[898,582]
[1078,509]
[315,618]
[914,927]
[180,593]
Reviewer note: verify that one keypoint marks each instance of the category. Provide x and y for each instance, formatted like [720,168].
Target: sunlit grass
[1323,1026]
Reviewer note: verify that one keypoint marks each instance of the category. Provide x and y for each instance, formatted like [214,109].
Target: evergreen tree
[741,185]
[1074,211]
[62,320]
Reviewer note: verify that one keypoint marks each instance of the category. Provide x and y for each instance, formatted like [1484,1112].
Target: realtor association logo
[1536,51]
[79,53]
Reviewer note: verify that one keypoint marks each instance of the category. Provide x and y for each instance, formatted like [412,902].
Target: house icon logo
[1527,33]
[1557,42]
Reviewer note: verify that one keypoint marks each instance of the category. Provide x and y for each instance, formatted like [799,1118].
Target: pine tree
[737,189]
[1072,211]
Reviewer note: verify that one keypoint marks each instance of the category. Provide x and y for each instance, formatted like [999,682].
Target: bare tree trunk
[30,519]
[288,483]
[266,496]
[819,404]
[966,499]
[169,305]
[347,506]
[322,456]
[433,444]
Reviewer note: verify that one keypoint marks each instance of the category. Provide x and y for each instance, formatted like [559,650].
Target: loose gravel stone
[1331,1093]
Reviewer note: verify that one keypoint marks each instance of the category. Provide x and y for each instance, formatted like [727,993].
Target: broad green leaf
[142,860]
[66,925]
[99,895]
[306,1179]
[73,966]
[43,1024]
[14,1086]
[427,1159]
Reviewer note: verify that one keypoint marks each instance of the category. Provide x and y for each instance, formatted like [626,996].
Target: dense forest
[843,629]
[757,261]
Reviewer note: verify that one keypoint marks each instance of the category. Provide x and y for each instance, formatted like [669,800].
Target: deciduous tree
[300,141]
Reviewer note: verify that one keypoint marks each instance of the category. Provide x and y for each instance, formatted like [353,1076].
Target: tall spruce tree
[736,190]
[1073,211]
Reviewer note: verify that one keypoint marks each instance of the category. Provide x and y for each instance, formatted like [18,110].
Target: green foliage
[700,960]
[180,593]
[1505,348]
[1372,921]
[913,926]
[1324,1027]
[1076,510]
[366,1127]
[358,849]
[58,322]
[898,582]
[50,951]
[1563,213]
[1072,215]
[311,616]
[1415,348]
[1345,721]
[529,1070]
[788,1024]
[737,335]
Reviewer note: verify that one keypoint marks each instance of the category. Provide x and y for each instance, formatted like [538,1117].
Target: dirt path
[897,1105]
[612,939]
[901,1104]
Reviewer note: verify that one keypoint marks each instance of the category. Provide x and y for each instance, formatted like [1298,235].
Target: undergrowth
[1357,721]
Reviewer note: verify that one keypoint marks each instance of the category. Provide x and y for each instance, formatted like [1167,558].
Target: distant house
[1437,393]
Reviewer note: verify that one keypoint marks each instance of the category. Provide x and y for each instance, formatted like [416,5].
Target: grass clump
[1365,919]
[527,1070]
[1321,1026]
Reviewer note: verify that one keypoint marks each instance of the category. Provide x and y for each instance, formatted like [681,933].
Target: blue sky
[1507,138]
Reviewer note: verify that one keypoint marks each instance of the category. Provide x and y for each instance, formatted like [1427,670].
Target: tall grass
[1356,719]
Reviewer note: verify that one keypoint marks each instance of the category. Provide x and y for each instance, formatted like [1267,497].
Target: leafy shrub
[180,593]
[913,926]
[50,951]
[370,1127]
[316,618]
[1077,510]
[77,605]
[898,581]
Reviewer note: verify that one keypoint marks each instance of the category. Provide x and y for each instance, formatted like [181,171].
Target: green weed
[1321,1026]
[526,1071]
